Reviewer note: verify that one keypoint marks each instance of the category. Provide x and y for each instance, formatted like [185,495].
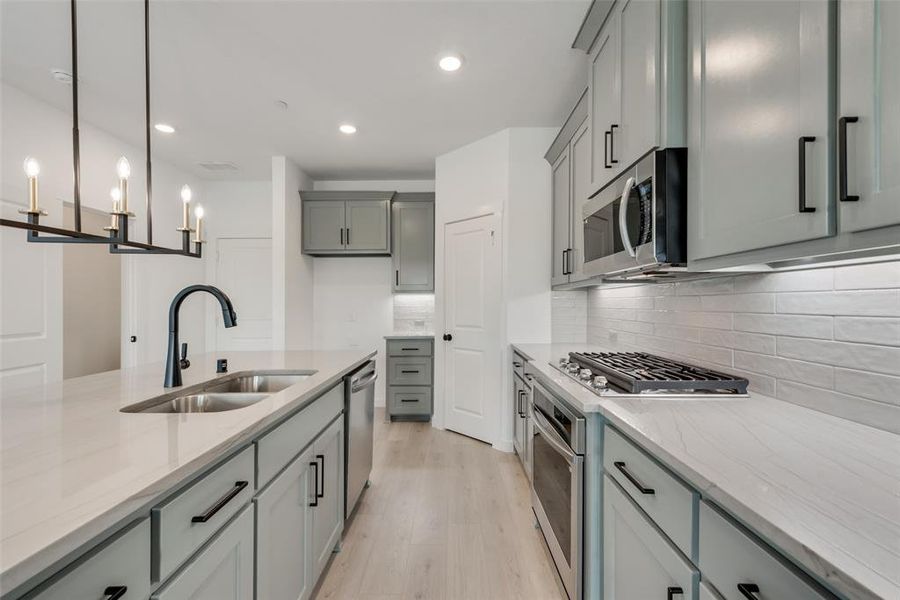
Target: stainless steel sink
[266,382]
[225,393]
[204,403]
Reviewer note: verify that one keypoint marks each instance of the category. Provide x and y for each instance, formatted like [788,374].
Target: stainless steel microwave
[636,225]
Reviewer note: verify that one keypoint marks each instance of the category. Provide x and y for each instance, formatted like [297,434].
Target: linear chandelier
[117,237]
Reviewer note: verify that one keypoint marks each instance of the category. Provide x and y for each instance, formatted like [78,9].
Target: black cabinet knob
[447,337]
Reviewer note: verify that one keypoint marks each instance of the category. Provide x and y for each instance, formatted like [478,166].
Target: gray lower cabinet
[412,238]
[328,509]
[410,365]
[335,223]
[122,562]
[283,512]
[222,570]
[638,560]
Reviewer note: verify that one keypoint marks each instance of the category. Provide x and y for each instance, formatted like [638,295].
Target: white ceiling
[218,69]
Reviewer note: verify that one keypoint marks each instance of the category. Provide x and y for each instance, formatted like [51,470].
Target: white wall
[353,304]
[503,174]
[292,272]
[31,127]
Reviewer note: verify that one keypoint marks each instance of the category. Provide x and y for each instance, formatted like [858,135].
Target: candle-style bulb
[186,194]
[198,212]
[116,195]
[32,167]
[123,168]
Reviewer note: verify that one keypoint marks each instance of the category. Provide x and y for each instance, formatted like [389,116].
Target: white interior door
[244,272]
[472,358]
[30,307]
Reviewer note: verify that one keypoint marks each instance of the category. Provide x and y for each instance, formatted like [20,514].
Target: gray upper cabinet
[759,125]
[336,223]
[605,98]
[869,176]
[562,222]
[580,158]
[412,237]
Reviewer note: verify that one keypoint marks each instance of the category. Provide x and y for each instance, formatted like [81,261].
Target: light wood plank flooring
[445,518]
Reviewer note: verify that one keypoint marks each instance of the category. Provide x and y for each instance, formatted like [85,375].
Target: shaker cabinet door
[638,561]
[283,567]
[639,80]
[412,225]
[605,112]
[869,177]
[759,125]
[367,228]
[323,225]
[562,223]
[328,514]
[580,153]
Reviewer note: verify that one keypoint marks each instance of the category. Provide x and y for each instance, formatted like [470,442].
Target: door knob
[447,337]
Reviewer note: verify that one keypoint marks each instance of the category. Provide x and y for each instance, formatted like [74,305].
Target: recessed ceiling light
[451,62]
[164,128]
[347,128]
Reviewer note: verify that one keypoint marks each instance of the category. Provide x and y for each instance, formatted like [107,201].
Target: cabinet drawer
[278,447]
[223,570]
[123,561]
[669,502]
[730,557]
[409,400]
[177,526]
[518,364]
[409,347]
[409,371]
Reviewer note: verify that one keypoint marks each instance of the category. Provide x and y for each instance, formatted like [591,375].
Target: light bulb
[115,194]
[450,63]
[123,168]
[347,128]
[186,194]
[32,168]
[198,212]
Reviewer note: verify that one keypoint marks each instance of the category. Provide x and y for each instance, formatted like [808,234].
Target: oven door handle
[623,217]
[543,426]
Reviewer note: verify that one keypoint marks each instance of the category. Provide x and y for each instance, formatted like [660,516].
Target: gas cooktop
[629,373]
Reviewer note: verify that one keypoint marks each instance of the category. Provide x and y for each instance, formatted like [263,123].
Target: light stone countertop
[410,335]
[824,490]
[72,466]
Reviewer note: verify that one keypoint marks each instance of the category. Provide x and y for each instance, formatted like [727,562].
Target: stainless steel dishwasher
[359,412]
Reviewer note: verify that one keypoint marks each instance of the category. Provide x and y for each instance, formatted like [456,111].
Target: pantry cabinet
[869,108]
[759,125]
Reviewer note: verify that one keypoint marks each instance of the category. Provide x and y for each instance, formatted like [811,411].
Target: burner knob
[572,368]
[585,374]
[599,383]
[563,362]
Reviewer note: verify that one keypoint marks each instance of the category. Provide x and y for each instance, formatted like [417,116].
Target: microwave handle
[623,217]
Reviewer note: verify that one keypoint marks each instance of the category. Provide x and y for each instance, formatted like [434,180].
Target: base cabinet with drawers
[261,523]
[410,366]
[521,388]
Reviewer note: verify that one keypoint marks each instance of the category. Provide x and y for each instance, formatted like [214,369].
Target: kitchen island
[75,468]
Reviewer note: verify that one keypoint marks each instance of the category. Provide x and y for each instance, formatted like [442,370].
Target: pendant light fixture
[117,238]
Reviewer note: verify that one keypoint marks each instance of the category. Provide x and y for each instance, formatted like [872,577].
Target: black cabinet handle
[612,147]
[749,590]
[606,137]
[409,349]
[321,473]
[408,371]
[348,236]
[114,592]
[517,365]
[674,591]
[634,480]
[342,236]
[221,502]
[804,139]
[315,501]
[409,399]
[447,337]
[842,158]
[397,277]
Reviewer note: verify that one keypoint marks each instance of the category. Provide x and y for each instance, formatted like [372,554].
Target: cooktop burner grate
[637,372]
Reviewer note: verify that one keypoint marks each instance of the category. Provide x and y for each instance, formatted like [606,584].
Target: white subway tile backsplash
[883,303]
[868,330]
[880,359]
[568,322]
[827,338]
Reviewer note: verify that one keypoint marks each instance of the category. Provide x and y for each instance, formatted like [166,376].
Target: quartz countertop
[410,335]
[824,490]
[73,467]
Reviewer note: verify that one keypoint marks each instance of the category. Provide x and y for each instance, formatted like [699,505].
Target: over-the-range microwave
[636,225]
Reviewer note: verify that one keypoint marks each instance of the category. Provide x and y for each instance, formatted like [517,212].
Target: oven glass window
[602,236]
[553,485]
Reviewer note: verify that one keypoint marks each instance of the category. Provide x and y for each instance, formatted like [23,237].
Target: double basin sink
[226,393]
